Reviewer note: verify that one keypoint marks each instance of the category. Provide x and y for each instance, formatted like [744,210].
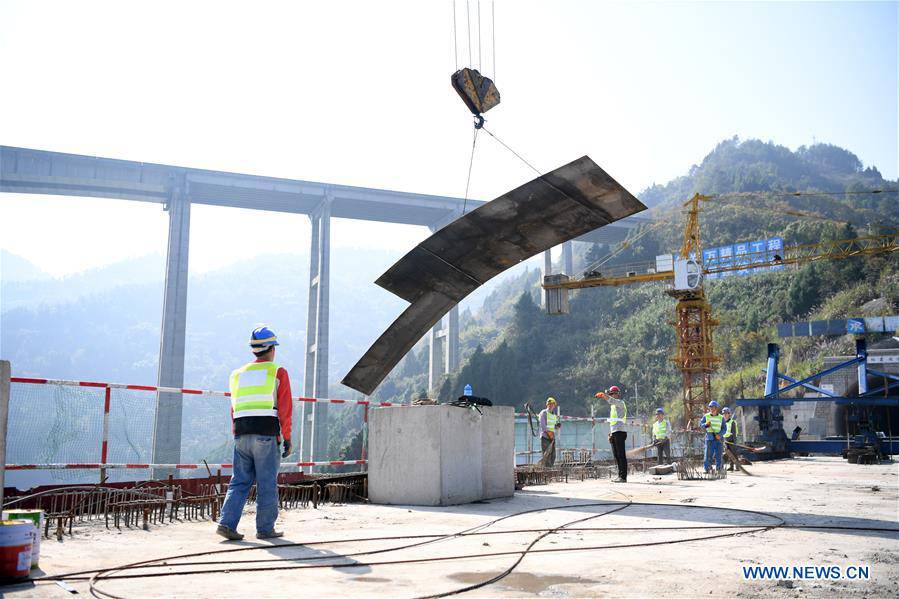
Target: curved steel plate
[440,271]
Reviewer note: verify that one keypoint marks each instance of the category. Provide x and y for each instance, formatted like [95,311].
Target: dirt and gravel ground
[580,560]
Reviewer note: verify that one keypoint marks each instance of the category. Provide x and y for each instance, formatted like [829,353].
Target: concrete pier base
[440,455]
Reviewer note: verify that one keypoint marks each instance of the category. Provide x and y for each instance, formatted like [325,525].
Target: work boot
[272,534]
[228,533]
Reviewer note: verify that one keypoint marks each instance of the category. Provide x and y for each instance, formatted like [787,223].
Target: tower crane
[694,321]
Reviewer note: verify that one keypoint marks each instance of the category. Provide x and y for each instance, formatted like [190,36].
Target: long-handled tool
[735,459]
[637,450]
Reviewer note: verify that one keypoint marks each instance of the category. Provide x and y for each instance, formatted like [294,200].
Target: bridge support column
[443,342]
[167,425]
[547,270]
[436,359]
[315,415]
[443,350]
[568,258]
[452,340]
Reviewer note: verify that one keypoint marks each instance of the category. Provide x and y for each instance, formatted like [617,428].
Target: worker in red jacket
[262,414]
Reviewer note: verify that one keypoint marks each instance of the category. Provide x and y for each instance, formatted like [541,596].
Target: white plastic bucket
[36,517]
[15,548]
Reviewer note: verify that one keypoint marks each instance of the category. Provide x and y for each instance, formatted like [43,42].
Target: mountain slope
[622,335]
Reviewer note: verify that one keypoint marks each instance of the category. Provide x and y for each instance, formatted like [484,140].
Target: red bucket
[15,549]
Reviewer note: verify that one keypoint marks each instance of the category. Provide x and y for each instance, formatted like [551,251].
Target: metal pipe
[5,372]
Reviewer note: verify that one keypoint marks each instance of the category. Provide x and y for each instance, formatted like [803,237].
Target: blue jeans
[712,449]
[256,458]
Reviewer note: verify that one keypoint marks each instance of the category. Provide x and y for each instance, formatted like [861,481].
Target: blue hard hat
[660,411]
[725,409]
[714,404]
[262,338]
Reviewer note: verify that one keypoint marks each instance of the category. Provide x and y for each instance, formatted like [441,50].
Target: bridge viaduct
[176,188]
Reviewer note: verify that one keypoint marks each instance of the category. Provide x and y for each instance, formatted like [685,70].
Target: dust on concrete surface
[806,491]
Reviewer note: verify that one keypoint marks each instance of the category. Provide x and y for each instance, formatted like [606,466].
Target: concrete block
[498,445]
[440,455]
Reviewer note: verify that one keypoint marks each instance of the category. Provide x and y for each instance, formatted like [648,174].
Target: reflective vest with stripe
[613,414]
[730,428]
[551,419]
[254,390]
[714,422]
[660,429]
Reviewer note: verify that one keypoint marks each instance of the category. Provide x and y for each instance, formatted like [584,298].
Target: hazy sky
[358,93]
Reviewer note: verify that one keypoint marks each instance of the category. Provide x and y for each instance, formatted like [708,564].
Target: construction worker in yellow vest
[661,435]
[262,417]
[550,423]
[713,424]
[730,435]
[617,434]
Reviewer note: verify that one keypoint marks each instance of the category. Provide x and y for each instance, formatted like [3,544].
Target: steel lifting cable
[493,35]
[474,143]
[468,28]
[455,38]
[517,155]
[628,242]
[479,37]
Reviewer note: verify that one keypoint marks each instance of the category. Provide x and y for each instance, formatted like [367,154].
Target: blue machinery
[864,445]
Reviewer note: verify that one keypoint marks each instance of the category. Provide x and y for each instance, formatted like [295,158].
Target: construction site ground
[811,490]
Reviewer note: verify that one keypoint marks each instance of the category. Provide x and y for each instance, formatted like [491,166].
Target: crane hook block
[478,92]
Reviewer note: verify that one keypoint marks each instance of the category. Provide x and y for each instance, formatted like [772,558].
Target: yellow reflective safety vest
[613,414]
[551,419]
[730,427]
[254,388]
[660,429]
[714,422]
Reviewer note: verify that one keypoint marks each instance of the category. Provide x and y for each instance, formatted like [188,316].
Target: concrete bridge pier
[443,340]
[314,416]
[568,258]
[167,425]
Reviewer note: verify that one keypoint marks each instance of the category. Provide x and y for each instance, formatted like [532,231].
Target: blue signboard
[776,253]
[726,259]
[855,325]
[741,257]
[767,254]
[710,260]
[758,254]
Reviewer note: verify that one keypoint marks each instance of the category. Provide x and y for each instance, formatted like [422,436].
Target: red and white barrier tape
[97,466]
[66,383]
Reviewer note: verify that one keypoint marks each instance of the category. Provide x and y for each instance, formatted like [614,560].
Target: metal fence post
[592,433]
[364,437]
[4,415]
[104,447]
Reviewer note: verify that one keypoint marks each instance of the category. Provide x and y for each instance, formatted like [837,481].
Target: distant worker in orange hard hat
[617,434]
[550,423]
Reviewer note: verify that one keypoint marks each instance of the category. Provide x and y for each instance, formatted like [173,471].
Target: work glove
[287,448]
